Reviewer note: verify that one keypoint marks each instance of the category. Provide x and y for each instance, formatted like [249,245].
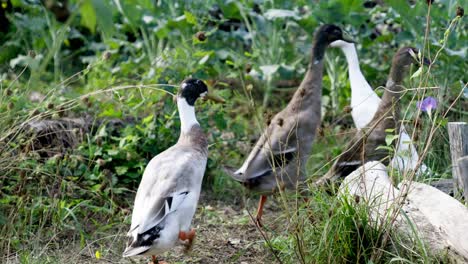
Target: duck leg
[154,260]
[190,236]
[258,217]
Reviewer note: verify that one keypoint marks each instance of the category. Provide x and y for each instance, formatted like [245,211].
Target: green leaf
[191,19]
[88,15]
[103,13]
[442,122]
[390,138]
[417,73]
[121,170]
[384,148]
[112,152]
[148,119]
[220,121]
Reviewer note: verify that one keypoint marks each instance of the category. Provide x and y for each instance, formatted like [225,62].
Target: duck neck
[309,94]
[350,53]
[390,106]
[187,115]
[318,51]
[394,86]
[312,83]
[360,89]
[397,73]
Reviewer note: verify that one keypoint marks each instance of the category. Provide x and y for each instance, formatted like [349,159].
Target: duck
[278,159]
[364,146]
[364,105]
[167,197]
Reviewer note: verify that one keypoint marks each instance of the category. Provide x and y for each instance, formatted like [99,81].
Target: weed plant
[115,67]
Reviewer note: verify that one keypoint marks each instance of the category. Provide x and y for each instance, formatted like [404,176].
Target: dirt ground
[225,234]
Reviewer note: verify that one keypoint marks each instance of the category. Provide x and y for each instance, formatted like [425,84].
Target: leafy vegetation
[111,67]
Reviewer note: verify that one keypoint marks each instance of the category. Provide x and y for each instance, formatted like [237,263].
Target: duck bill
[213,97]
[346,37]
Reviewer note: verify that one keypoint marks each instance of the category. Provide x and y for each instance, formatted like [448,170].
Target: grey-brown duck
[279,157]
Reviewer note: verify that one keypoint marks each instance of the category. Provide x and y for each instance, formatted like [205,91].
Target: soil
[225,233]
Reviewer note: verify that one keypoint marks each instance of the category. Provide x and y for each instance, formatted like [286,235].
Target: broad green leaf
[121,170]
[104,17]
[231,9]
[88,15]
[390,138]
[162,31]
[191,19]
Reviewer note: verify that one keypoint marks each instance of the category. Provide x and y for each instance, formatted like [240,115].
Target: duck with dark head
[168,194]
[279,157]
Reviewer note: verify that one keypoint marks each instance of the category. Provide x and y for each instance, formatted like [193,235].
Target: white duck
[364,104]
[168,194]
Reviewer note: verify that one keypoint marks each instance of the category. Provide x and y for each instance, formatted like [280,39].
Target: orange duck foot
[154,260]
[258,218]
[190,236]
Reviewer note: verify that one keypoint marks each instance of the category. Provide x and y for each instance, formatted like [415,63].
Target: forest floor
[225,234]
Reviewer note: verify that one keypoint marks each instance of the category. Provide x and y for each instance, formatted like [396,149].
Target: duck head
[325,35]
[402,60]
[406,56]
[329,33]
[192,89]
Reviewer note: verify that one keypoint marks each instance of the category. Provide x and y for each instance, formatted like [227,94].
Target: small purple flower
[427,104]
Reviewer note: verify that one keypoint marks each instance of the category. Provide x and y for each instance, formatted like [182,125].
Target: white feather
[187,114]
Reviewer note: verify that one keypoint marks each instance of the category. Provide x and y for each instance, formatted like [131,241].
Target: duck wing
[275,148]
[362,148]
[167,183]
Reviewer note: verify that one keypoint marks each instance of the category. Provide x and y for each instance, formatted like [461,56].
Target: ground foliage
[115,65]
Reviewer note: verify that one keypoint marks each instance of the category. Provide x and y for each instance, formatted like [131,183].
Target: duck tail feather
[236,175]
[134,251]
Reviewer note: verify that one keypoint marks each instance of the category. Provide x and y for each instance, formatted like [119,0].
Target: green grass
[81,194]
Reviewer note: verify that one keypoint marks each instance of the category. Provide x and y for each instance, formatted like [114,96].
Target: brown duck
[279,157]
[364,146]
